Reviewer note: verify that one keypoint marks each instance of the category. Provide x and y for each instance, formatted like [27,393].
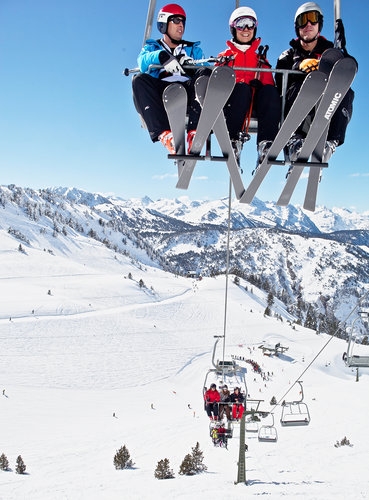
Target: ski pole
[196,62]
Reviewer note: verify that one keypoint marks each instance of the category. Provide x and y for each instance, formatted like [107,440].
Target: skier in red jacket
[212,398]
[254,90]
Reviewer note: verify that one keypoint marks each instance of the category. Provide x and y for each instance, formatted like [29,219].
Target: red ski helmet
[169,10]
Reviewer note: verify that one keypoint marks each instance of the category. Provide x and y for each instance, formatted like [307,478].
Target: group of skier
[224,402]
[255,92]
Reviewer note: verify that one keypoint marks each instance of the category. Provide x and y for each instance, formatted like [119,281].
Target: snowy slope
[99,344]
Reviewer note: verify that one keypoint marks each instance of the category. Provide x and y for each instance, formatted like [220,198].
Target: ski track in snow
[100,345]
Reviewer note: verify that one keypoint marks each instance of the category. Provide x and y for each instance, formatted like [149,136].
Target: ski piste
[175,103]
[339,81]
[221,133]
[219,88]
[309,94]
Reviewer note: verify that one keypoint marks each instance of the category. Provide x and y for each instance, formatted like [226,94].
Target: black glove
[224,60]
[256,84]
[339,35]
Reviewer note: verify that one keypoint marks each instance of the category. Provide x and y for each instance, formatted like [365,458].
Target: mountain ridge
[318,260]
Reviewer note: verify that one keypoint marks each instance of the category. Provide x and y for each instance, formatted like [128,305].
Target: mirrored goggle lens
[303,19]
[178,19]
[244,23]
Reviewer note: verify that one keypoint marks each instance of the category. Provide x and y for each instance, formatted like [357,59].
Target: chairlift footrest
[309,164]
[197,157]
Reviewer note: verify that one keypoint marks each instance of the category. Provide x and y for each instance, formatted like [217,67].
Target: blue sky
[66,111]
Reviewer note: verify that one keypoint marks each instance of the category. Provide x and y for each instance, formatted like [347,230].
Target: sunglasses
[303,19]
[178,20]
[244,23]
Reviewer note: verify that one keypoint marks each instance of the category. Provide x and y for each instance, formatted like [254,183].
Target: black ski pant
[266,107]
[148,101]
[339,121]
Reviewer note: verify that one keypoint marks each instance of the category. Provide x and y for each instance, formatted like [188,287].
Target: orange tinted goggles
[303,19]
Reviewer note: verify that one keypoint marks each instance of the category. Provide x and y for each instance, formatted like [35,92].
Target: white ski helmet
[169,10]
[309,7]
[242,12]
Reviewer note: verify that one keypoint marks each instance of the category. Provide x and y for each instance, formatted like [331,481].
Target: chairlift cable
[320,352]
[227,269]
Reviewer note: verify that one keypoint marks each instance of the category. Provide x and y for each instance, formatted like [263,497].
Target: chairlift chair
[251,425]
[356,360]
[268,432]
[295,412]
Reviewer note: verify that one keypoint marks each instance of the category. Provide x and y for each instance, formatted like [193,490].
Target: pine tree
[4,462]
[186,468]
[197,458]
[21,466]
[122,459]
[163,471]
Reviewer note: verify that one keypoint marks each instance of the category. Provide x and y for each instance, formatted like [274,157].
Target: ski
[219,88]
[175,104]
[310,92]
[221,133]
[339,82]
[329,58]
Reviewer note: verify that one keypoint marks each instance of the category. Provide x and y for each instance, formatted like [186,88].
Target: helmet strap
[175,42]
[312,40]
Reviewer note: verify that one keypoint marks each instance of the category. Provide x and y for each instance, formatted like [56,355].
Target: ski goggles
[177,20]
[244,23]
[303,19]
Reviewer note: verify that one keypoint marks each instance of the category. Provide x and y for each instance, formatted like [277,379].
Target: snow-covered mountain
[101,350]
[315,262]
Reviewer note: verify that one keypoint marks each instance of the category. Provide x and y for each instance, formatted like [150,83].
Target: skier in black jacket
[304,55]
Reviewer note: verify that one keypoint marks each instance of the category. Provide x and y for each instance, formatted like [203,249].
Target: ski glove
[255,83]
[224,60]
[185,59]
[308,65]
[170,63]
[339,36]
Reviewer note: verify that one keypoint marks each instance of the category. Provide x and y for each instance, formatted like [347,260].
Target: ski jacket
[212,396]
[150,54]
[292,58]
[225,396]
[247,59]
[237,398]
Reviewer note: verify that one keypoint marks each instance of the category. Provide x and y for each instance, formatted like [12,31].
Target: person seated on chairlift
[225,397]
[212,398]
[237,399]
